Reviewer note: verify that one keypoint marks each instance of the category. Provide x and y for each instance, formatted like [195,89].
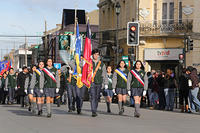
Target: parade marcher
[110,91]
[193,84]
[35,90]
[136,83]
[169,89]
[99,80]
[62,89]
[4,90]
[31,99]
[21,84]
[120,84]
[49,81]
[183,91]
[11,85]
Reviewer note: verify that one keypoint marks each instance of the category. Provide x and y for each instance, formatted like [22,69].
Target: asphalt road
[14,119]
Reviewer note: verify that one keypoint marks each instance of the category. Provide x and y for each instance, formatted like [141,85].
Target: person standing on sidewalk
[193,83]
[21,85]
[183,91]
[136,84]
[120,84]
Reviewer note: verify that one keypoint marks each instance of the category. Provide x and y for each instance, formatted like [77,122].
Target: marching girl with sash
[120,84]
[31,99]
[34,87]
[110,91]
[135,83]
[49,81]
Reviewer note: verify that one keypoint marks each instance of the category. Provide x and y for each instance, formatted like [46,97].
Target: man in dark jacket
[183,91]
[21,83]
[193,83]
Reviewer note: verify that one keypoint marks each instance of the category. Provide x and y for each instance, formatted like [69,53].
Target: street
[19,120]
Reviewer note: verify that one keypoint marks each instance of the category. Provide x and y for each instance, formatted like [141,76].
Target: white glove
[80,75]
[41,91]
[57,90]
[16,88]
[144,93]
[113,91]
[25,91]
[106,87]
[129,93]
[5,89]
[31,91]
[70,71]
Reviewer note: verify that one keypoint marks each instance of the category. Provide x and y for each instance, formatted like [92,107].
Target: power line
[20,36]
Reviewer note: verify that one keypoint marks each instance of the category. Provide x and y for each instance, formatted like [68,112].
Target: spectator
[161,94]
[183,91]
[169,89]
[193,83]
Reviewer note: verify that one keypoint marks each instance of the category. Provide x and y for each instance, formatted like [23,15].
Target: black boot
[94,114]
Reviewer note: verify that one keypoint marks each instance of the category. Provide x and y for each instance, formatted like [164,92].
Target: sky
[20,17]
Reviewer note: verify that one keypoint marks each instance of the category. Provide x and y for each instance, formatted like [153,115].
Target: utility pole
[45,41]
[137,19]
[25,51]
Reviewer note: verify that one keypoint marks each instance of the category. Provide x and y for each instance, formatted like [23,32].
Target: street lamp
[117,10]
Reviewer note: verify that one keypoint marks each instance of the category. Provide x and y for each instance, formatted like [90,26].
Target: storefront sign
[162,54]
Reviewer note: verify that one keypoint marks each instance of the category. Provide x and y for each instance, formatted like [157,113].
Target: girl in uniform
[135,83]
[120,84]
[34,87]
[110,91]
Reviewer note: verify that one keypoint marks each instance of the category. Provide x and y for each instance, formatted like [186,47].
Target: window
[155,12]
[171,12]
[180,12]
[164,13]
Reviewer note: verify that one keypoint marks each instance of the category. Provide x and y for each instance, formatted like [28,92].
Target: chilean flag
[87,66]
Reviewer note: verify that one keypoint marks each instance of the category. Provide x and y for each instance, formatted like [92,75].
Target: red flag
[87,66]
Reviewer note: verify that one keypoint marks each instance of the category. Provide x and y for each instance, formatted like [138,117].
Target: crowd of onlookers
[164,89]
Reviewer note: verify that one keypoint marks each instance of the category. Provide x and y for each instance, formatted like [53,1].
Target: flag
[77,71]
[87,66]
[4,66]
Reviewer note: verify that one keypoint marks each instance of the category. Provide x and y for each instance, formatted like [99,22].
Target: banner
[4,66]
[87,66]
[77,71]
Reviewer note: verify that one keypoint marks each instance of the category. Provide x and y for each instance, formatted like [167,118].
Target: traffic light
[133,34]
[190,44]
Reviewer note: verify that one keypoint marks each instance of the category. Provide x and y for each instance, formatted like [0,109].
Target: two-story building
[164,27]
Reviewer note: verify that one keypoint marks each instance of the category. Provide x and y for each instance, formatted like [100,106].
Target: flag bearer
[99,80]
[49,81]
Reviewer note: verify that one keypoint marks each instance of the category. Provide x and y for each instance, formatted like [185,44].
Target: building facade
[165,26]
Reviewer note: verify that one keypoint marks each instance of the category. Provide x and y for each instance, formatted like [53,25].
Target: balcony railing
[165,27]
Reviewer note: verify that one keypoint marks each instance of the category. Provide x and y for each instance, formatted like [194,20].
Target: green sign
[125,58]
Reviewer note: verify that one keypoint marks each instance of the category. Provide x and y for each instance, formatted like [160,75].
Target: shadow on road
[110,114]
[21,112]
